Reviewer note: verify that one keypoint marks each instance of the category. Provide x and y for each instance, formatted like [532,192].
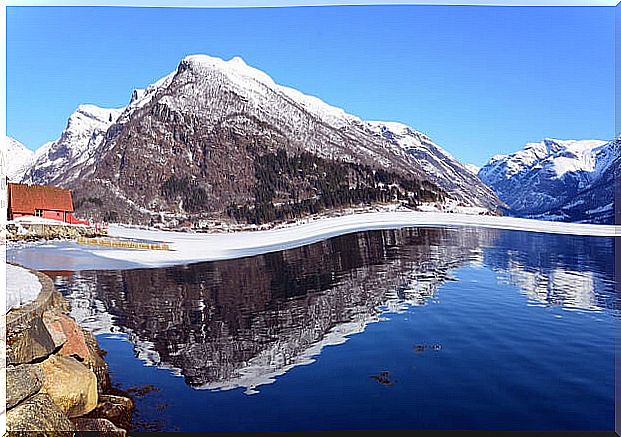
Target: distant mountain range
[219,140]
[563,180]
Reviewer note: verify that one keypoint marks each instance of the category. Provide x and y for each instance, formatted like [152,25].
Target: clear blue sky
[478,80]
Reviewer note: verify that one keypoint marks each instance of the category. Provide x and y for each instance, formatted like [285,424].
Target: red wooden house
[41,201]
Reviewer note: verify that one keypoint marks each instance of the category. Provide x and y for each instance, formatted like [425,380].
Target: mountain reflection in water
[240,323]
[574,272]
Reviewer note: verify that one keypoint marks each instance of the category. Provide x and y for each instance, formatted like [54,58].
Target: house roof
[26,198]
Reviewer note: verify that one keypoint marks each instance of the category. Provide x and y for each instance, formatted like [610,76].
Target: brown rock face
[70,384]
[22,382]
[39,413]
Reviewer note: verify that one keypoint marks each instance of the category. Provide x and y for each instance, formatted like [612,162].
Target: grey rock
[51,322]
[37,413]
[96,363]
[22,381]
[30,342]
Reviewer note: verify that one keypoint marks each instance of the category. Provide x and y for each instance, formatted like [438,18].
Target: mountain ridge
[203,137]
[85,128]
[555,179]
[21,159]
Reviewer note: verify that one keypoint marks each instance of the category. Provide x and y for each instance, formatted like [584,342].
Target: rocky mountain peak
[219,137]
[547,179]
[84,131]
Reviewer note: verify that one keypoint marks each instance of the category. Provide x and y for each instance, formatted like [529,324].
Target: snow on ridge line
[140,97]
[98,112]
[236,66]
[188,248]
[16,158]
[472,168]
[238,71]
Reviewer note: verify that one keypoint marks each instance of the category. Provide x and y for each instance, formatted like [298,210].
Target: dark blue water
[403,329]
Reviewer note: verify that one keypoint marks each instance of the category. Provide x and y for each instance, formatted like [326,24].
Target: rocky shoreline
[41,231]
[56,378]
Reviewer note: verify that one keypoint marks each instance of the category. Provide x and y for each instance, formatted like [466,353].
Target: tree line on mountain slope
[292,186]
[289,186]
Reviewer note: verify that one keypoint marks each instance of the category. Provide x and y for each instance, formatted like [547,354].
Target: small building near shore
[43,201]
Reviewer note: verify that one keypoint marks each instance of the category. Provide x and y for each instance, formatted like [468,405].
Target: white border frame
[197,4]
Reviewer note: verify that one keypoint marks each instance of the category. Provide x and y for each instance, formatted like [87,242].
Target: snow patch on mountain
[140,97]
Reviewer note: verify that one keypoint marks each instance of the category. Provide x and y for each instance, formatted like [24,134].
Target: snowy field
[191,247]
[21,287]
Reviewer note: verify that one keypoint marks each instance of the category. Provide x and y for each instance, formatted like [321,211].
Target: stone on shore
[22,381]
[117,409]
[70,384]
[53,321]
[75,346]
[96,363]
[78,343]
[30,342]
[38,413]
[99,425]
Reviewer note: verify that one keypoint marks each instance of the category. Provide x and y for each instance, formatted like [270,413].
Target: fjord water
[397,329]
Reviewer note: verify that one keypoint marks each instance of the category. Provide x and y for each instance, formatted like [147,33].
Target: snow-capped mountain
[557,180]
[85,130]
[205,137]
[17,159]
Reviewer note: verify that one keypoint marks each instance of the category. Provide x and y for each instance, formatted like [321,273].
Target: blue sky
[478,80]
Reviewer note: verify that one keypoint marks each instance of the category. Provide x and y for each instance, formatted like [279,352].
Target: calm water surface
[412,328]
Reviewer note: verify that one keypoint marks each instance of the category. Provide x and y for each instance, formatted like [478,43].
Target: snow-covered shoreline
[189,248]
[22,287]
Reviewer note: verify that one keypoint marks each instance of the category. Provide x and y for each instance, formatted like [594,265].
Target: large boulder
[74,344]
[71,385]
[78,343]
[28,342]
[38,413]
[22,382]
